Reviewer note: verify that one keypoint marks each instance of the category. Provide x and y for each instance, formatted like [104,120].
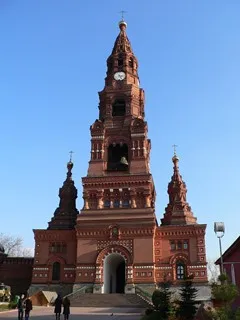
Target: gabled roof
[230,250]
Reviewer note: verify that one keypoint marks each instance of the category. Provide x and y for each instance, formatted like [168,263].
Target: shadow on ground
[85,317]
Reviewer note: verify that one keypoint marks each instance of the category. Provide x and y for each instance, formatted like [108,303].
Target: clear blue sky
[52,64]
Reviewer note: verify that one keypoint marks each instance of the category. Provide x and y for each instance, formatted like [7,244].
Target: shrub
[148,311]
[187,304]
[12,305]
[156,298]
[155,315]
[224,293]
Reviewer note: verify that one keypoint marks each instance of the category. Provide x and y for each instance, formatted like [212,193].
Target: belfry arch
[117,157]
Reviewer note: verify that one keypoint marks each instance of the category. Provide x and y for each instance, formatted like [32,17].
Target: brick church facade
[115,242]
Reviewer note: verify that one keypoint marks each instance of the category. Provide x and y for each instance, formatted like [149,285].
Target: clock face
[119,75]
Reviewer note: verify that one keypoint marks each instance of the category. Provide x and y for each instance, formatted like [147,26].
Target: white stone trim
[137,134]
[202,266]
[97,137]
[143,267]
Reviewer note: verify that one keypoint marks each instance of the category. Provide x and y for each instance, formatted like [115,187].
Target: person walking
[20,307]
[58,307]
[66,308]
[28,308]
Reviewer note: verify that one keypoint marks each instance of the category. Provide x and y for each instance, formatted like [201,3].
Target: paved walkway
[44,313]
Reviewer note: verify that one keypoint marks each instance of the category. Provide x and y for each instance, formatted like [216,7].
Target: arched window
[116,203]
[179,245]
[125,203]
[117,157]
[106,204]
[185,244]
[180,270]
[118,108]
[56,268]
[173,245]
[120,61]
[130,62]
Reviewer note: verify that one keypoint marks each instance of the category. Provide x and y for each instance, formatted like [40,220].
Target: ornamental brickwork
[115,242]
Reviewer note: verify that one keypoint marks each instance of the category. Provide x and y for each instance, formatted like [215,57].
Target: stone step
[107,300]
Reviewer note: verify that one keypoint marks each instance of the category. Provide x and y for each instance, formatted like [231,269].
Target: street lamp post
[219,229]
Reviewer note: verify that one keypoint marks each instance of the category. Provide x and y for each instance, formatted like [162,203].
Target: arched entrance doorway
[114,273]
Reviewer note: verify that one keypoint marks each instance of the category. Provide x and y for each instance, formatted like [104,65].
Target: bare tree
[213,270]
[13,246]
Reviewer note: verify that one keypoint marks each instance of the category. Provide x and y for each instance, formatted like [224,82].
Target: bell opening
[118,157]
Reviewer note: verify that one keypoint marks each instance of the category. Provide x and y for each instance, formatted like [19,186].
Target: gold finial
[71,153]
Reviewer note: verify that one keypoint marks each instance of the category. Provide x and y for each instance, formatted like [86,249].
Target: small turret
[65,215]
[178,211]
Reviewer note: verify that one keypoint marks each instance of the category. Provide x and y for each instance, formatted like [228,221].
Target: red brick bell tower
[118,217]
[115,243]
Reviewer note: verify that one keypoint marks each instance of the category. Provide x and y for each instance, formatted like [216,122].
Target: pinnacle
[122,43]
[65,215]
[178,210]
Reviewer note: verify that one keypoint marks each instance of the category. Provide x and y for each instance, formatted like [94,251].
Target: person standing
[20,307]
[58,307]
[66,308]
[28,308]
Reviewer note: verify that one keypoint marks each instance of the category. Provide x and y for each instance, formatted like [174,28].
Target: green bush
[187,305]
[157,298]
[12,305]
[224,293]
[148,311]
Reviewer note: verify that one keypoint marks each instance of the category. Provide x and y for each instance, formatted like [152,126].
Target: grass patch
[3,307]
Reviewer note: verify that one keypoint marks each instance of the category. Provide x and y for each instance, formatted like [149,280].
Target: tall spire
[122,43]
[122,71]
[66,213]
[178,211]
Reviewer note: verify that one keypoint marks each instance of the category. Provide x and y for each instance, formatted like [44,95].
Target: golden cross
[71,153]
[122,13]
[174,148]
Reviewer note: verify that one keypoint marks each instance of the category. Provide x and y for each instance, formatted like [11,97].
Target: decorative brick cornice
[180,230]
[109,181]
[54,235]
[19,260]
[101,244]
